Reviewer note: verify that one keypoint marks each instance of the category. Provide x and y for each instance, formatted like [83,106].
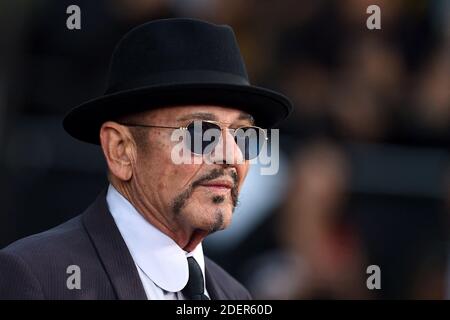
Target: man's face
[188,197]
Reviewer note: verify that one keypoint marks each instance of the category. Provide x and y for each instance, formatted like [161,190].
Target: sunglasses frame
[185,128]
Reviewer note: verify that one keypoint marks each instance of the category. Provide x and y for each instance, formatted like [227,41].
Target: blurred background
[365,172]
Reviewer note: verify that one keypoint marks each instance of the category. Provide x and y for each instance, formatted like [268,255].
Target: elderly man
[141,238]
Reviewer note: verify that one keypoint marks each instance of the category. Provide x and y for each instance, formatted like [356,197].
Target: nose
[227,150]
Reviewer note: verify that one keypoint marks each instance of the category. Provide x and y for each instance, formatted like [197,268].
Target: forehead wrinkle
[212,117]
[198,115]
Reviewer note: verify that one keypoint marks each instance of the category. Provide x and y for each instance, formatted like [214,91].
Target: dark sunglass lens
[203,136]
[250,141]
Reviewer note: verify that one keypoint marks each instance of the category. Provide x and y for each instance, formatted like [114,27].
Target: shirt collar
[158,256]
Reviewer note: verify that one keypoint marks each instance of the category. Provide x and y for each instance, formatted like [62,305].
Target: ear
[119,149]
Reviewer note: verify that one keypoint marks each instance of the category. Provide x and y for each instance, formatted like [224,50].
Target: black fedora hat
[176,62]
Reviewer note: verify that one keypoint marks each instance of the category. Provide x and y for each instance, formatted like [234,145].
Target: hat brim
[267,107]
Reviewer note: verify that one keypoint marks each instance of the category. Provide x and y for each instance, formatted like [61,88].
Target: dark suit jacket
[36,267]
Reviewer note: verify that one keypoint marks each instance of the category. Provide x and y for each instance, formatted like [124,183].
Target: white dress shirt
[162,265]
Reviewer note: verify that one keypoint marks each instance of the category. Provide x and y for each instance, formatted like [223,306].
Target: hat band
[179,77]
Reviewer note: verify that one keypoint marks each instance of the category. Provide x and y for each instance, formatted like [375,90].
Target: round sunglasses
[204,134]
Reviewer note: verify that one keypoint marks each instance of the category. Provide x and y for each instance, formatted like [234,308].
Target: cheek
[186,174]
[170,178]
[153,165]
[180,177]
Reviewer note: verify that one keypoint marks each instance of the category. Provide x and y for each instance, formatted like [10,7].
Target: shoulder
[229,285]
[49,242]
[28,265]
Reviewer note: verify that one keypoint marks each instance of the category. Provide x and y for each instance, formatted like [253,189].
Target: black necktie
[195,288]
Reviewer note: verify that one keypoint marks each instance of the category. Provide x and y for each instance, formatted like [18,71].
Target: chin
[216,219]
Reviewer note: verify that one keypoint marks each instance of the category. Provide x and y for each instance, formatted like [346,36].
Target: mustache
[181,199]
[214,174]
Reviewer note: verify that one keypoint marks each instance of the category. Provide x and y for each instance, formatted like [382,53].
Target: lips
[220,184]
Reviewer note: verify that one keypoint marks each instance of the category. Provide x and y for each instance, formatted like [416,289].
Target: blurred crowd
[367,145]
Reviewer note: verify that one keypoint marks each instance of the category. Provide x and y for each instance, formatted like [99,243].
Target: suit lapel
[214,290]
[112,250]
